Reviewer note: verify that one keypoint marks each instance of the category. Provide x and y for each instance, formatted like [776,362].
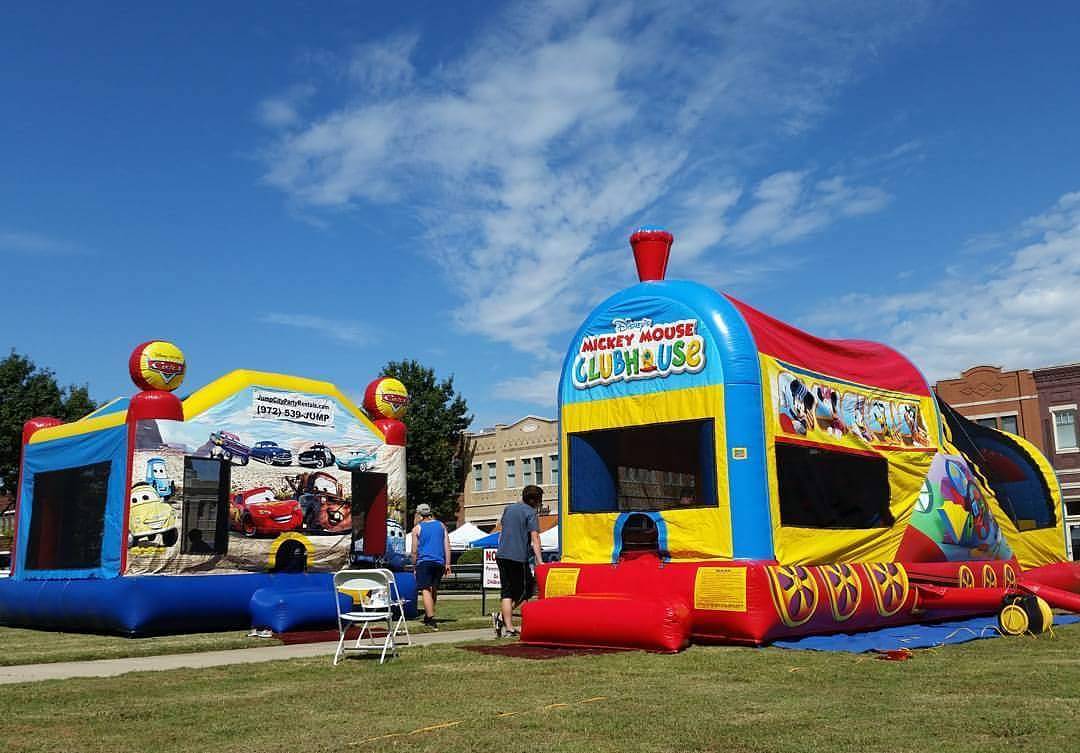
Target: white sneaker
[497,624]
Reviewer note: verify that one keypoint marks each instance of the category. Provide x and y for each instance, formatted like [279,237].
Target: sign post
[489,577]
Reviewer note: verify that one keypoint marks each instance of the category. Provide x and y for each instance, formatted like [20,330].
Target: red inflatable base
[643,602]
[607,621]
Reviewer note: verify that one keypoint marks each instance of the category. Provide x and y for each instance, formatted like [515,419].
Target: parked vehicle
[227,446]
[271,454]
[150,516]
[357,460]
[316,456]
[256,512]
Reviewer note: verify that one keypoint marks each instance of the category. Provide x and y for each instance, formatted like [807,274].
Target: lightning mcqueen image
[256,512]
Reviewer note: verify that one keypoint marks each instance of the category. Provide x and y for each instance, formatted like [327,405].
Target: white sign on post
[491,569]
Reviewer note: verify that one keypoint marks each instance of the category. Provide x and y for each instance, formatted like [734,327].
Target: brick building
[1059,396]
[503,459]
[1005,400]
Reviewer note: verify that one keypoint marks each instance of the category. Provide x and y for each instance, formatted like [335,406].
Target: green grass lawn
[38,646]
[1019,694]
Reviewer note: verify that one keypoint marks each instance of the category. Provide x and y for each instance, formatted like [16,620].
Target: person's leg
[429,603]
[507,609]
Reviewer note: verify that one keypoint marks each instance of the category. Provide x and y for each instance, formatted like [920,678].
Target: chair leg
[363,628]
[388,642]
[401,623]
[340,646]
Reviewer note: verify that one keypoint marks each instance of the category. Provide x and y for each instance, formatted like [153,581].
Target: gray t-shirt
[518,520]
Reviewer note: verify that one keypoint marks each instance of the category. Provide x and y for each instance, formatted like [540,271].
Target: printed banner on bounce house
[290,478]
[272,405]
[815,407]
[657,346]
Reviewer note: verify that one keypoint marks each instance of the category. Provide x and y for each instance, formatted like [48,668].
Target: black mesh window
[826,489]
[655,467]
[67,521]
[206,506]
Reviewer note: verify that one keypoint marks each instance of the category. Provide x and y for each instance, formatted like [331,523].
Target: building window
[990,423]
[492,477]
[526,471]
[67,518]
[1008,423]
[554,472]
[206,506]
[511,474]
[477,477]
[1074,541]
[1064,428]
[1072,507]
[538,470]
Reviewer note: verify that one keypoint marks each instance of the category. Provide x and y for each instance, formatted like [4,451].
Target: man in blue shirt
[431,553]
[520,528]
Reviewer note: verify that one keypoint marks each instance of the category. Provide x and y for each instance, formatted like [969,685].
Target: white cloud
[344,331]
[36,244]
[529,157]
[1017,313]
[538,389]
[283,111]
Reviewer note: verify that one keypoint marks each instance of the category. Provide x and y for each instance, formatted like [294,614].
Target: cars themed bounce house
[729,478]
[225,509]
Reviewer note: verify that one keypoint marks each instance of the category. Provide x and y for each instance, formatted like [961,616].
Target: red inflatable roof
[867,363]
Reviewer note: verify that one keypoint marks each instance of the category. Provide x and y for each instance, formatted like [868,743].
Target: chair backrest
[370,590]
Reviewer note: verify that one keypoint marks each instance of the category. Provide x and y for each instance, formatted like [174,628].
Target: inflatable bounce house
[226,509]
[729,478]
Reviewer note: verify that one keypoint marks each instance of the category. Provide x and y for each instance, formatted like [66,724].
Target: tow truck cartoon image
[323,501]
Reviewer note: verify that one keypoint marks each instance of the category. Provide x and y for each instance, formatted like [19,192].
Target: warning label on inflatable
[561,581]
[720,589]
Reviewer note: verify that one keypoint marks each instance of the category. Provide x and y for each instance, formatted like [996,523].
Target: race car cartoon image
[157,475]
[316,456]
[357,460]
[395,536]
[150,516]
[271,454]
[256,512]
[323,501]
[227,446]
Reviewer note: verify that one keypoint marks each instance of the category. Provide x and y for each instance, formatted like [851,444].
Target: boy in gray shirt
[520,532]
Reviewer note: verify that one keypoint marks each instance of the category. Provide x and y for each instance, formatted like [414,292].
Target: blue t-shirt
[518,520]
[430,543]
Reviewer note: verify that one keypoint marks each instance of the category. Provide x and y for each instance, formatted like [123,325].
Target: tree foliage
[27,391]
[436,419]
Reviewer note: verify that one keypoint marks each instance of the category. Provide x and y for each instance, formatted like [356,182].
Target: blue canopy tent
[487,542]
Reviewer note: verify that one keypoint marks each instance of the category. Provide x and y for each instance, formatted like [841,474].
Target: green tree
[436,419]
[27,391]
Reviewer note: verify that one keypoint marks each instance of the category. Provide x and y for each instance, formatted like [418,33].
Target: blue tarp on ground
[908,636]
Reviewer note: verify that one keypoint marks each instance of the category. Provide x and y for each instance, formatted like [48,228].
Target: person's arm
[446,548]
[414,534]
[534,539]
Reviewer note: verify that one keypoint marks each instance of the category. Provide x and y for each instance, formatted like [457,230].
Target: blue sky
[316,188]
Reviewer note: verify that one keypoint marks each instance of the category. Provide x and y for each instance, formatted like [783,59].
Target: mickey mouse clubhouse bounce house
[729,478]
[226,509]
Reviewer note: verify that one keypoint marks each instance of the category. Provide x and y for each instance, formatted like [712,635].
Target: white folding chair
[372,592]
[398,601]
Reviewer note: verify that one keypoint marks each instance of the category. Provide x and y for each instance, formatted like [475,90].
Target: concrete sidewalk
[114,667]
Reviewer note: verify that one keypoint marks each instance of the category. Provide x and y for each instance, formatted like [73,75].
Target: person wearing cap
[431,553]
[520,533]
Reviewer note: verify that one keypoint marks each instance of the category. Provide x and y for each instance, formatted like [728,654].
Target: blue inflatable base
[145,605]
[908,636]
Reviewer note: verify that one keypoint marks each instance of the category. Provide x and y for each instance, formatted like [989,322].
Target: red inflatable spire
[652,246]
